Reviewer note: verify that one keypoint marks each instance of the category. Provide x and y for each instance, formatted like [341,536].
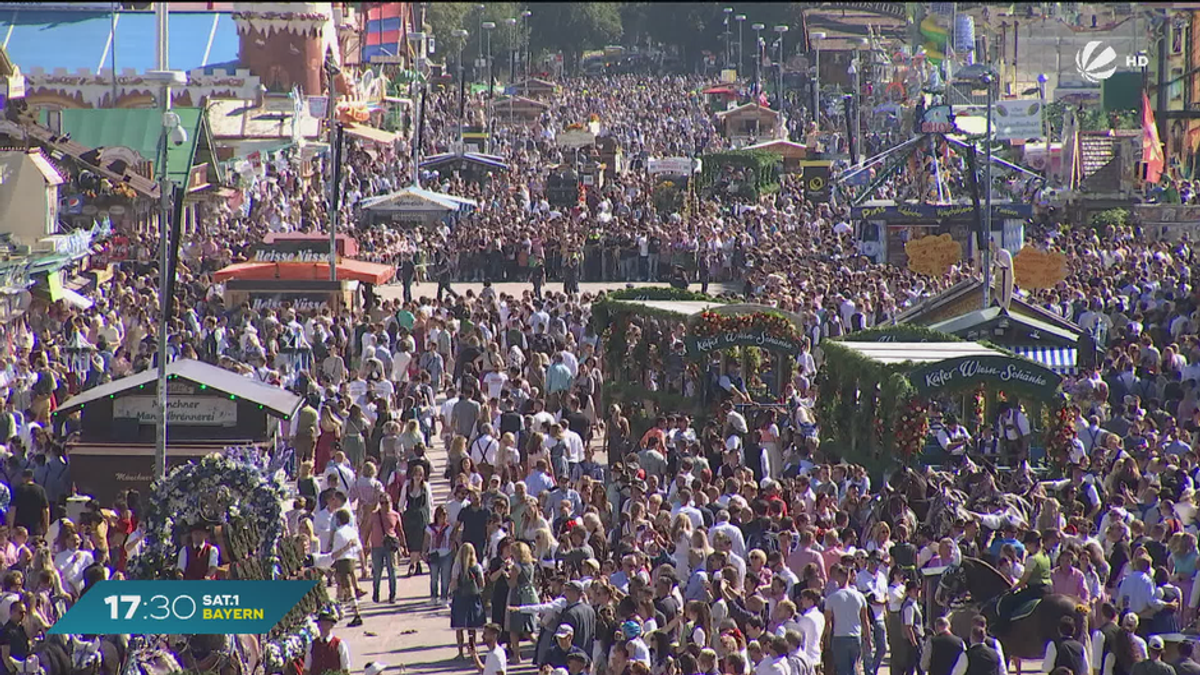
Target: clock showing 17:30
[182,607]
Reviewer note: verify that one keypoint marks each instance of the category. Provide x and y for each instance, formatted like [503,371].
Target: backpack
[763,540]
[558,458]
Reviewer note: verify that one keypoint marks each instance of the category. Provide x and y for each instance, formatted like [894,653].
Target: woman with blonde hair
[545,546]
[454,457]
[681,537]
[521,591]
[508,457]
[466,609]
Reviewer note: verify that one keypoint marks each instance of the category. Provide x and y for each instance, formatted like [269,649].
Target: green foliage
[660,293]
[900,333]
[1110,218]
[617,302]
[1090,119]
[765,167]
[572,27]
[442,18]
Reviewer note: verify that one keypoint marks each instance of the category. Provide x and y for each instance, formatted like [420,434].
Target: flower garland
[978,405]
[1061,432]
[711,323]
[288,648]
[217,488]
[912,428]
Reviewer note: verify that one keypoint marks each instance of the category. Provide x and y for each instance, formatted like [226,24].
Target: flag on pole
[1152,153]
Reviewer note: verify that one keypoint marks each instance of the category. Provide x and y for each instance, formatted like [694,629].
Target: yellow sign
[933,255]
[1035,268]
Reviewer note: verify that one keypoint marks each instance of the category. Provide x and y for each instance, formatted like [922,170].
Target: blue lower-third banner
[182,607]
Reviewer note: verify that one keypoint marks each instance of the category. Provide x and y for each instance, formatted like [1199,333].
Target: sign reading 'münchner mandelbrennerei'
[703,345]
[973,370]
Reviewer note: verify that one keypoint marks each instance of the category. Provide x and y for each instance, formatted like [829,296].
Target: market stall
[903,378]
[753,344]
[414,205]
[209,408]
[472,166]
[291,270]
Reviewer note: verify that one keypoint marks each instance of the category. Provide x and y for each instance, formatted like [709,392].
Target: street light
[462,35]
[488,27]
[816,39]
[1042,80]
[741,22]
[479,8]
[856,65]
[728,45]
[982,76]
[526,39]
[758,46]
[171,129]
[512,51]
[781,30]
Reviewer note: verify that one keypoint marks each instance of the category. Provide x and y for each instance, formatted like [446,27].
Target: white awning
[1062,360]
[75,299]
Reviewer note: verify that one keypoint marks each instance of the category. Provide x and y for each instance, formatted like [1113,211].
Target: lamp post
[781,30]
[480,8]
[856,67]
[741,22]
[526,38]
[488,27]
[170,132]
[512,50]
[331,73]
[462,36]
[728,45]
[816,39]
[758,45]
[1042,79]
[985,78]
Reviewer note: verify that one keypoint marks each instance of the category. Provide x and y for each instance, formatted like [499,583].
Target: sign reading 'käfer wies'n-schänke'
[994,370]
[698,346]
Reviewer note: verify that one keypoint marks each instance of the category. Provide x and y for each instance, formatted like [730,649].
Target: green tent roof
[139,129]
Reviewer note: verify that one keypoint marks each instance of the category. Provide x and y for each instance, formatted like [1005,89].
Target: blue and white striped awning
[1062,360]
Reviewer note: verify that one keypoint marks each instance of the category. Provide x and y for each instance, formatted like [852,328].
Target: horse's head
[86,655]
[952,586]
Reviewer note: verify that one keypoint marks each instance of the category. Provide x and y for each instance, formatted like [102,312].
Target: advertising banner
[1017,120]
[182,607]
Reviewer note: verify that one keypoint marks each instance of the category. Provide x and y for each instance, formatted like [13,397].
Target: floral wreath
[215,489]
[912,428]
[711,323]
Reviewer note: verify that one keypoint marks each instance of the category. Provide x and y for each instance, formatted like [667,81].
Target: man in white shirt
[327,652]
[574,447]
[495,660]
[871,581]
[723,526]
[685,507]
[483,451]
[345,552]
[812,623]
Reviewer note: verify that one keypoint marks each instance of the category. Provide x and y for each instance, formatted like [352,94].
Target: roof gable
[139,129]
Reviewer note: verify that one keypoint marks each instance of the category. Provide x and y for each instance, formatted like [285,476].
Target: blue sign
[182,607]
[933,212]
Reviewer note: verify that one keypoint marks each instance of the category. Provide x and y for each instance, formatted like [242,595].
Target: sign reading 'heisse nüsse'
[199,411]
[971,370]
[704,345]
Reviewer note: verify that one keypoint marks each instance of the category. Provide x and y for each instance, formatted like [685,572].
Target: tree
[572,27]
[443,18]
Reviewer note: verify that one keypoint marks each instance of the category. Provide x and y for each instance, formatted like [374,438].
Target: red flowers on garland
[711,323]
[912,428]
[1061,432]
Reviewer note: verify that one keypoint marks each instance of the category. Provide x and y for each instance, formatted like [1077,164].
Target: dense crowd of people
[722,544]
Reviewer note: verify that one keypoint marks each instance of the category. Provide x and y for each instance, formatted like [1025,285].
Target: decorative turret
[284,43]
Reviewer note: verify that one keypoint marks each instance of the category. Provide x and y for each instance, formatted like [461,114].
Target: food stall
[292,270]
[209,408]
